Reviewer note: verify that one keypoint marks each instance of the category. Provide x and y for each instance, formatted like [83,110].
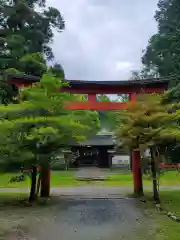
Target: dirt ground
[78,218]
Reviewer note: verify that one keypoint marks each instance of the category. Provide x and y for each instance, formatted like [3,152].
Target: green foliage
[8,92]
[173,95]
[57,71]
[26,28]
[163,48]
[146,72]
[163,53]
[39,125]
[33,64]
[148,122]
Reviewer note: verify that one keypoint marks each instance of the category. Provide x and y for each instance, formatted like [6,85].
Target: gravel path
[80,213]
[94,219]
[87,190]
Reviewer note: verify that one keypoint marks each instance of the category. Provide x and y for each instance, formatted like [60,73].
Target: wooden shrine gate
[91,89]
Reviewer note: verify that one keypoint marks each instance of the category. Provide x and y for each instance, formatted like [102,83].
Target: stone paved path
[90,173]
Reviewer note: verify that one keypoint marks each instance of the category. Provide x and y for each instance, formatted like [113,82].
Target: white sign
[120,159]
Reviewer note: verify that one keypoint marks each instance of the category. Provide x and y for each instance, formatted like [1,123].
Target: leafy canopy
[39,124]
[148,122]
[163,48]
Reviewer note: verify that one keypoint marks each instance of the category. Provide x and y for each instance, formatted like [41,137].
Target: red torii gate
[92,88]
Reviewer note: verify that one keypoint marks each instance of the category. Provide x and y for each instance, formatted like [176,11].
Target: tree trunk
[154,176]
[45,181]
[38,185]
[67,167]
[32,196]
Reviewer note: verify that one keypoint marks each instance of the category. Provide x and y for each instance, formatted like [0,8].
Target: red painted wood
[112,90]
[92,98]
[132,97]
[169,166]
[136,162]
[96,105]
[92,92]
[137,174]
[98,89]
[28,170]
[21,84]
[16,81]
[45,181]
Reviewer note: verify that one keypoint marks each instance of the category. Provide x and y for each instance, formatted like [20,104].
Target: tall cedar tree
[26,27]
[163,50]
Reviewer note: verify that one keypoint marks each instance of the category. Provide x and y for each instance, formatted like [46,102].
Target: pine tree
[38,125]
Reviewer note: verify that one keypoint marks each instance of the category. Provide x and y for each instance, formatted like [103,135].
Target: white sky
[103,39]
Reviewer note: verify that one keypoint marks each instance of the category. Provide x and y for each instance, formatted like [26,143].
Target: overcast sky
[103,39]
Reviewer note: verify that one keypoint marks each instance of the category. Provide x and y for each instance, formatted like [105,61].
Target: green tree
[57,70]
[173,96]
[8,92]
[26,32]
[33,64]
[163,48]
[26,27]
[163,51]
[148,124]
[146,72]
[39,125]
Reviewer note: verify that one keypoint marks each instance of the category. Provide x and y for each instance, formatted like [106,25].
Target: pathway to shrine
[91,174]
[80,218]
[85,212]
[96,219]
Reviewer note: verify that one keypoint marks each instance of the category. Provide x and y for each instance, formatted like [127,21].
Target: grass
[68,178]
[166,228]
[171,178]
[58,178]
[11,197]
[170,201]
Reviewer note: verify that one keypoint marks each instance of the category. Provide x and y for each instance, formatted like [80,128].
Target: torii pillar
[136,164]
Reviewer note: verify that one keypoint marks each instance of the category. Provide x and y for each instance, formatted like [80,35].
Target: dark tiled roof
[31,78]
[120,82]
